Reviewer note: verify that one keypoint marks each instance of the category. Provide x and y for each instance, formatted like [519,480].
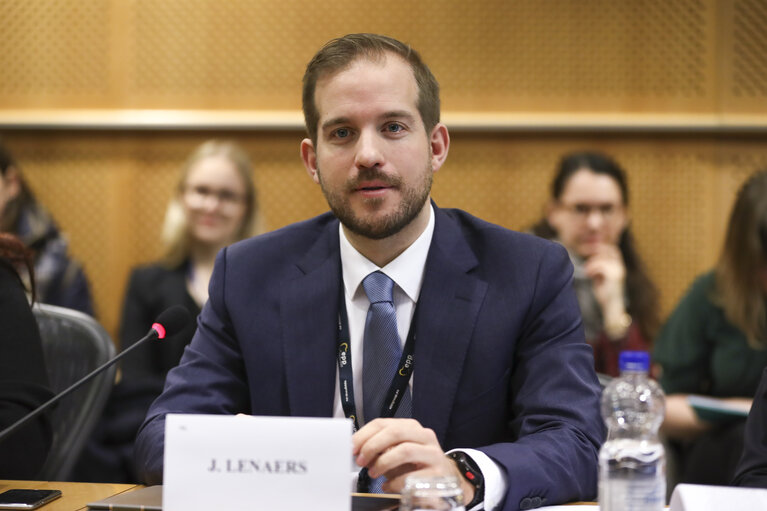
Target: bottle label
[633,493]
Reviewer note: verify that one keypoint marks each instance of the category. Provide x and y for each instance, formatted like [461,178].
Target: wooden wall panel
[496,55]
[56,54]
[744,61]
[109,190]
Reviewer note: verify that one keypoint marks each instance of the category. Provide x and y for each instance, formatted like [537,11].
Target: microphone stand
[153,334]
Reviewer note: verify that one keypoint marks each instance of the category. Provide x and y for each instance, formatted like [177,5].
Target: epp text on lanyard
[399,383]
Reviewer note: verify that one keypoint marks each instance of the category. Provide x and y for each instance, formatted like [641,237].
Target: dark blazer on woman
[108,456]
[23,382]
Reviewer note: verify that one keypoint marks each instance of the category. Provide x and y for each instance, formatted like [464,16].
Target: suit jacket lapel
[449,303]
[309,311]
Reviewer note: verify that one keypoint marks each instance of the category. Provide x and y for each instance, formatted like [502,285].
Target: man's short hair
[340,53]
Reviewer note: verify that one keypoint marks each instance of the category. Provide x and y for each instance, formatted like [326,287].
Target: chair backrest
[74,344]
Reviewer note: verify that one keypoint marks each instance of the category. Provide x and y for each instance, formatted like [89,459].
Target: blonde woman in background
[715,344]
[214,206]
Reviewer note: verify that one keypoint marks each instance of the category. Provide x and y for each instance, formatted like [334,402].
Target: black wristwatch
[470,472]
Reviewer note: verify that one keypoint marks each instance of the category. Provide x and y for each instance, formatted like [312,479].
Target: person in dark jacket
[752,468]
[23,378]
[59,279]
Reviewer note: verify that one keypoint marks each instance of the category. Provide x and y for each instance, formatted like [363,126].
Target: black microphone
[170,322]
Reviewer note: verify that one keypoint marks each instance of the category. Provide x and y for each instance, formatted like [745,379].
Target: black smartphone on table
[27,499]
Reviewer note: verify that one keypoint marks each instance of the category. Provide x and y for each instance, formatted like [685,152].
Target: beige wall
[676,91]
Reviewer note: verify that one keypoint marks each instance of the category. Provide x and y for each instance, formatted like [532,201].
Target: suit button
[536,501]
[525,504]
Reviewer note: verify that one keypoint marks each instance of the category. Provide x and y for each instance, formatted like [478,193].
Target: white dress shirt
[407,273]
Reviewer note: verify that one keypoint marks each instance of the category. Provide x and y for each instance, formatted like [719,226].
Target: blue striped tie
[381,353]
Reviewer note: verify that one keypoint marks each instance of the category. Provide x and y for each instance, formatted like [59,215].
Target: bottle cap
[634,361]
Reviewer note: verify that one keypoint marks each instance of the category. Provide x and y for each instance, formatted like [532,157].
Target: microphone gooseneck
[169,323]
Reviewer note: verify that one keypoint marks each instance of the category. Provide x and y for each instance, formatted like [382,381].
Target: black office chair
[74,344]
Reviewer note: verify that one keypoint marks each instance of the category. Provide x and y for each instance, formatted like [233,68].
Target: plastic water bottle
[632,462]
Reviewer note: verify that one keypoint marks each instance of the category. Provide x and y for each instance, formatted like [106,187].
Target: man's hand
[397,448]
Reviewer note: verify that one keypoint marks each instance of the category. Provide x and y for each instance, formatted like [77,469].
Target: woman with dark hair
[715,344]
[23,379]
[59,279]
[588,214]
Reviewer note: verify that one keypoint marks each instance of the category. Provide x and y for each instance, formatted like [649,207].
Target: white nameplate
[697,497]
[246,463]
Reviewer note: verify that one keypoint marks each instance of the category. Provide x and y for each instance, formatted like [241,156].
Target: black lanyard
[400,379]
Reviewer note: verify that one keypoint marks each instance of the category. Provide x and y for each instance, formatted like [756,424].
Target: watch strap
[470,471]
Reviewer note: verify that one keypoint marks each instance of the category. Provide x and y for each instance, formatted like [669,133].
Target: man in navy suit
[487,318]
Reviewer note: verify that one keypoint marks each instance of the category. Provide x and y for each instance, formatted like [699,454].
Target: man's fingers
[364,433]
[398,448]
[386,434]
[406,453]
[393,477]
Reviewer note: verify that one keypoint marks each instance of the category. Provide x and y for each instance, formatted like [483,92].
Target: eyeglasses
[197,195]
[583,211]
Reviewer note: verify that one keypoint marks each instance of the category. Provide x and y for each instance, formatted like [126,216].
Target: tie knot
[378,287]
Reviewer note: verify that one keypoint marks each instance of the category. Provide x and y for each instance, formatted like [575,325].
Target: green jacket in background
[703,353]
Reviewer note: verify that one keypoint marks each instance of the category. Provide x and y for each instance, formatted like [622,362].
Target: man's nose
[368,150]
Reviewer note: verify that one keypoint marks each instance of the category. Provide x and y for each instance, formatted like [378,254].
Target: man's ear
[309,157]
[439,142]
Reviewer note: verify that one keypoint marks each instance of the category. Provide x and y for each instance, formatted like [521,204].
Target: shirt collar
[406,270]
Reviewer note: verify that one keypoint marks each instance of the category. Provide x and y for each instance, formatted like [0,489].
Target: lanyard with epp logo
[399,381]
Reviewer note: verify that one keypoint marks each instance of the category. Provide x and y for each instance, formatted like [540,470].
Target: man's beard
[413,200]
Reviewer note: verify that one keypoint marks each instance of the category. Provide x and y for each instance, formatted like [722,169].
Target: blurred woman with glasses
[214,206]
[588,214]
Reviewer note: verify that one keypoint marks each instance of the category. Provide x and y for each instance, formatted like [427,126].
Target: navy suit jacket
[501,364]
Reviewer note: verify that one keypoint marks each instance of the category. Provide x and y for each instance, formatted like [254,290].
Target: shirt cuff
[496,482]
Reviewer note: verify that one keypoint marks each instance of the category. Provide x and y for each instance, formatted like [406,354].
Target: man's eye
[394,127]
[341,133]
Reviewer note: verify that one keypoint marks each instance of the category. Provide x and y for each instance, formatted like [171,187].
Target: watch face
[465,465]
